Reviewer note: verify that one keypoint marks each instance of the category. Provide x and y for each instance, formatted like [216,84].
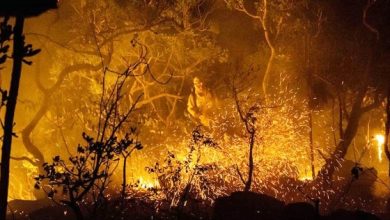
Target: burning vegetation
[195,109]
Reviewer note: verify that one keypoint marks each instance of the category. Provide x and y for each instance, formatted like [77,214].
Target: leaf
[4,49]
[27,62]
[138,146]
[3,59]
[50,194]
[80,149]
[37,185]
[33,52]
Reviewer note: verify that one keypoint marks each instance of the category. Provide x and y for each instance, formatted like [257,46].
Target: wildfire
[147,184]
[305,178]
[380,139]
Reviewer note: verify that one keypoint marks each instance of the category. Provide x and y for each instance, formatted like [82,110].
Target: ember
[195,109]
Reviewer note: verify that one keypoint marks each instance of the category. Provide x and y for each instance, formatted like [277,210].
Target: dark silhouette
[87,174]
[248,117]
[125,153]
[252,206]
[78,178]
[300,211]
[350,215]
[248,205]
[26,8]
[18,56]
[20,10]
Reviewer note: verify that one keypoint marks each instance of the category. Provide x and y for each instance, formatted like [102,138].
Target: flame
[380,139]
[146,184]
[305,178]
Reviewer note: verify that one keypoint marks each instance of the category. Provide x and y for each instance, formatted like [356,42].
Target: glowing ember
[380,140]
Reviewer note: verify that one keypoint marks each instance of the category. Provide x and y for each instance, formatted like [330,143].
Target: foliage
[87,171]
[88,174]
[187,178]
[5,36]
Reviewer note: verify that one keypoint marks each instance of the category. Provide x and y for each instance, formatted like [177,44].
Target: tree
[359,93]
[270,16]
[20,52]
[335,56]
[87,174]
[154,22]
[247,110]
[249,120]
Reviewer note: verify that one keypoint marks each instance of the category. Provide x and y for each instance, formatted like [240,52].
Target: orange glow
[305,178]
[186,79]
[147,184]
[380,139]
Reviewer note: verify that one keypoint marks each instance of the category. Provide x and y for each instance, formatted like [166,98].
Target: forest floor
[237,206]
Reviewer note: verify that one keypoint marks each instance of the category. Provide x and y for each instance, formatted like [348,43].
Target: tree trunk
[26,133]
[124,178]
[310,97]
[312,166]
[327,171]
[77,211]
[30,146]
[47,93]
[248,183]
[387,128]
[10,113]
[267,36]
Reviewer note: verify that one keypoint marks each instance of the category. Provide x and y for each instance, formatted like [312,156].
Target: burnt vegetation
[195,109]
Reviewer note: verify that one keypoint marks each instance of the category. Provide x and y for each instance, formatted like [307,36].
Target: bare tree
[248,117]
[357,108]
[271,28]
[87,173]
[249,120]
[125,153]
[102,31]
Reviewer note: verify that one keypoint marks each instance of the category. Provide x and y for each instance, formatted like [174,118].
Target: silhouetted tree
[125,153]
[19,9]
[249,120]
[87,173]
[86,176]
[361,98]
[248,116]
[118,19]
